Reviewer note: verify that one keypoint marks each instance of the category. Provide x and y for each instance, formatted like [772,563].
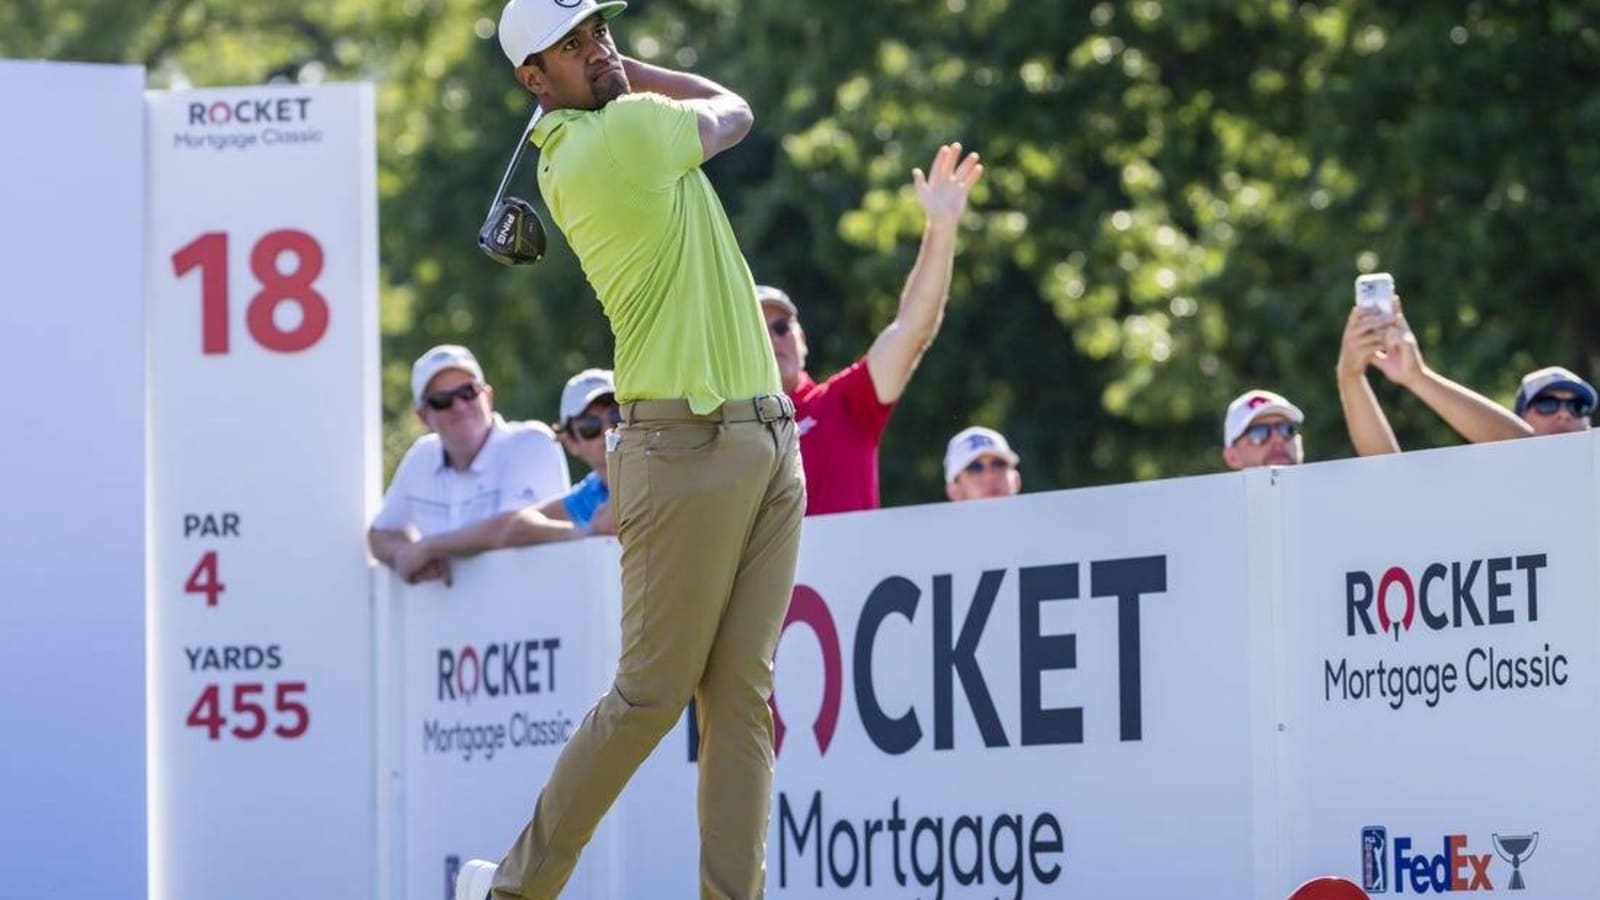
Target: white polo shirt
[520,464]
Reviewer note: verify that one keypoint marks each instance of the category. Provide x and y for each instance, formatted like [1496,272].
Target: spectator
[588,412]
[471,466]
[979,464]
[1262,429]
[1563,400]
[842,419]
[1554,400]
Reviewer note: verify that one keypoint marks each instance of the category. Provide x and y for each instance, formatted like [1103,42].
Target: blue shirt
[590,494]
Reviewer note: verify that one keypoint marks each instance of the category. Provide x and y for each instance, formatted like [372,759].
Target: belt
[765,408]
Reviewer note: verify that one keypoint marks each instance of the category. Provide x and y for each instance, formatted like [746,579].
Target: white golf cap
[1548,379]
[766,293]
[529,26]
[583,389]
[971,443]
[1252,405]
[444,356]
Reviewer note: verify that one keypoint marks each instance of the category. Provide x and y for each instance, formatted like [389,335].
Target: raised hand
[1401,358]
[1365,332]
[943,189]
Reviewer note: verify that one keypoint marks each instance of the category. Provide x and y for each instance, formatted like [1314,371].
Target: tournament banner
[1051,696]
[72,655]
[494,673]
[1441,633]
[262,306]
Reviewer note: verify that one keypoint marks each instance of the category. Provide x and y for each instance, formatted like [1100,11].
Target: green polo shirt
[624,185]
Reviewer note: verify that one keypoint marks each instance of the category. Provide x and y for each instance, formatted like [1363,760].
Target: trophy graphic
[1514,849]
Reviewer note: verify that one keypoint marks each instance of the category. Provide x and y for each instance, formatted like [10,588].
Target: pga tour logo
[1455,868]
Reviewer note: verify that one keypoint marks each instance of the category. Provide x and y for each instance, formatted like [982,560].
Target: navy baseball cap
[1553,378]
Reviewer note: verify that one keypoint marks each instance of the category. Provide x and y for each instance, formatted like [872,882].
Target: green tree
[1178,195]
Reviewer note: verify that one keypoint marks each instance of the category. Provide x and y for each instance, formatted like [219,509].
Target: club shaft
[516,159]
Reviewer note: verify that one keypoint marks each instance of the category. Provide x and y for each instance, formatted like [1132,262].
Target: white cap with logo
[1252,405]
[971,443]
[444,356]
[583,389]
[1552,378]
[529,26]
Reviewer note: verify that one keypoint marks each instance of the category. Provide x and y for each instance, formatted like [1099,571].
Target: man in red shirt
[842,419]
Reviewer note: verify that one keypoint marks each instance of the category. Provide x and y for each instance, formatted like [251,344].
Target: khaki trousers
[708,512]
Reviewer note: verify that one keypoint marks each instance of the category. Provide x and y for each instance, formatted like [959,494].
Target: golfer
[705,467]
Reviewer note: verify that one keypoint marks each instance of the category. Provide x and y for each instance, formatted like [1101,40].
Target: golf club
[513,233]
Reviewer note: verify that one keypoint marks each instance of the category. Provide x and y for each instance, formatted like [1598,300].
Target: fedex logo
[1454,868]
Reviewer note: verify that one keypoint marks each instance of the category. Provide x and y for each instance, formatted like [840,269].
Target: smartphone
[1376,291]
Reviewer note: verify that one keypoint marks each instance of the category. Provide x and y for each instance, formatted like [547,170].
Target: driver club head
[513,233]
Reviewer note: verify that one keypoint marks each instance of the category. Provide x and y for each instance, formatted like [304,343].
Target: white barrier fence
[1439,639]
[490,677]
[72,654]
[1206,687]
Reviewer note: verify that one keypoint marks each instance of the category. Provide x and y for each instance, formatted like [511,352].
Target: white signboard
[1440,625]
[1379,669]
[264,459]
[496,673]
[1044,697]
[72,661]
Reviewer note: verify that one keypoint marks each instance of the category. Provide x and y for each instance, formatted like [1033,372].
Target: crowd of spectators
[476,483]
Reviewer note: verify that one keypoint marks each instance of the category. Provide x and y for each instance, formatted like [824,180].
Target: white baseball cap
[1551,378]
[766,293]
[1252,405]
[444,356]
[529,26]
[582,389]
[971,443]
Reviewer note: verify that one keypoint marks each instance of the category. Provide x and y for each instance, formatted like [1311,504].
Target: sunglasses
[781,327]
[1260,434]
[1549,406]
[443,400]
[992,464]
[588,428]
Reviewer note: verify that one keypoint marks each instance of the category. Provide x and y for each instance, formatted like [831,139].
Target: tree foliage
[1178,195]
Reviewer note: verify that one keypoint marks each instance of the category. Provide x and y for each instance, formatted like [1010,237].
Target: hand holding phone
[1376,291]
